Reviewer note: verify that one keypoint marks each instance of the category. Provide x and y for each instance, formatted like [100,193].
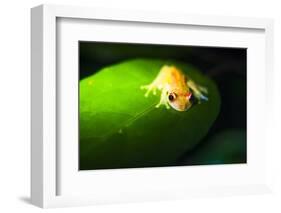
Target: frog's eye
[172,96]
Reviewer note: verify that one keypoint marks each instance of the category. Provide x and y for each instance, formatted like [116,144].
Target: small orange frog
[177,90]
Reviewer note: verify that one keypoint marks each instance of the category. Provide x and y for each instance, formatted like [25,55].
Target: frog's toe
[203,89]
[146,94]
[205,98]
[143,87]
[167,106]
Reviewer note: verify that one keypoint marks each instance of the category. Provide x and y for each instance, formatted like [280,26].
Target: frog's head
[180,101]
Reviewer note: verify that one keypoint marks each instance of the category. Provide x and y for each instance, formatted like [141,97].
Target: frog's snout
[183,107]
[181,102]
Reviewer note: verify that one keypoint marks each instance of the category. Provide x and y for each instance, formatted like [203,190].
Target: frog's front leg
[150,88]
[198,91]
[163,100]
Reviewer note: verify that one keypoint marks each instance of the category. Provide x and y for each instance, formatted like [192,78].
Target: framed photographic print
[132,106]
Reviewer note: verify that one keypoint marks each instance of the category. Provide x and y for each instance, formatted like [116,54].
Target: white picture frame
[45,166]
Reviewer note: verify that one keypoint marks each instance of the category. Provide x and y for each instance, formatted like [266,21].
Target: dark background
[226,66]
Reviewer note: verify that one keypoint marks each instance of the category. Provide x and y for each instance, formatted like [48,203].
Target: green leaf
[225,147]
[120,128]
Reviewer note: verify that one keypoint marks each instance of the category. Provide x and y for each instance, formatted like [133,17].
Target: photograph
[161,105]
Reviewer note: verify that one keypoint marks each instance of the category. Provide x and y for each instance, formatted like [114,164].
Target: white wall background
[15,103]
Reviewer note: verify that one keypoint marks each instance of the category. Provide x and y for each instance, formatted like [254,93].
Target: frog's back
[176,77]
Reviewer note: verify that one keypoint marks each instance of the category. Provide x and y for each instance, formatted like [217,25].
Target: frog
[177,89]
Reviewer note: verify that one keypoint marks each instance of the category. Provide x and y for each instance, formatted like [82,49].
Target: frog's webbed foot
[199,92]
[163,101]
[149,88]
